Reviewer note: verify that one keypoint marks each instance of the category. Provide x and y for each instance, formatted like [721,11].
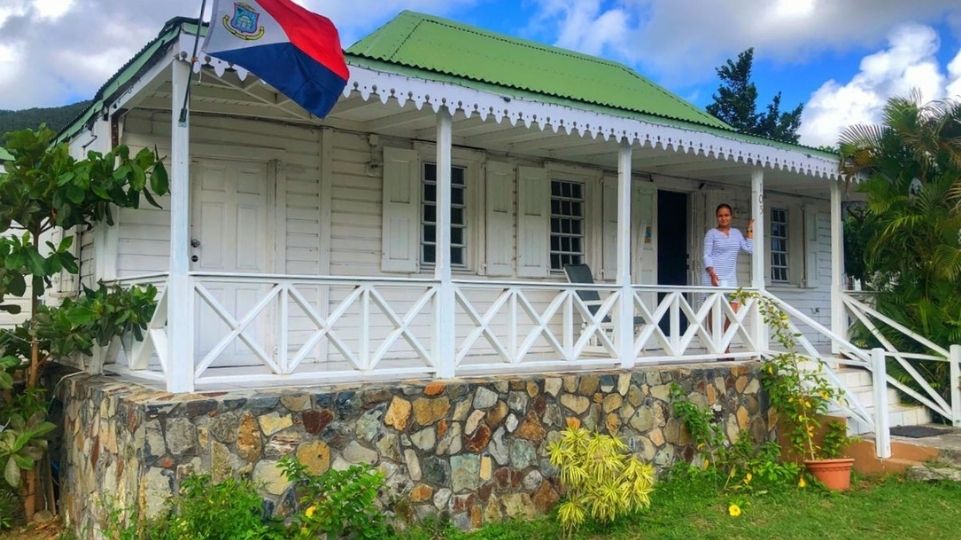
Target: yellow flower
[310,511]
[801,483]
[734,510]
[747,478]
[707,463]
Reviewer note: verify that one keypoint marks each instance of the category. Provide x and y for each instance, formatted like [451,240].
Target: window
[779,245]
[458,222]
[567,223]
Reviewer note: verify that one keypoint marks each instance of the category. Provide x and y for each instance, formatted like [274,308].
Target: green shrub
[230,510]
[603,480]
[338,503]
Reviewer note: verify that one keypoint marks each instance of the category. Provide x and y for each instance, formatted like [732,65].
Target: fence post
[882,418]
[445,347]
[954,359]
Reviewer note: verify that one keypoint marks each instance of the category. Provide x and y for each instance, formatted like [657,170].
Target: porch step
[858,381]
[926,458]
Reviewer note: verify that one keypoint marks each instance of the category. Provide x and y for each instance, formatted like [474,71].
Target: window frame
[582,218]
[464,206]
[774,268]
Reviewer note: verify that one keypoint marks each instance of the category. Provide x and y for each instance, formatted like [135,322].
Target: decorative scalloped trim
[383,86]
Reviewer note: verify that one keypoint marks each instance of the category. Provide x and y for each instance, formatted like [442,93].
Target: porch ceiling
[227,95]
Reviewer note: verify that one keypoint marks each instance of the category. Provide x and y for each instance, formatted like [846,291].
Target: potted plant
[802,396]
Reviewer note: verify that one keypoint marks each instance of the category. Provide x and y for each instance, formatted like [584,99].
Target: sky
[841,58]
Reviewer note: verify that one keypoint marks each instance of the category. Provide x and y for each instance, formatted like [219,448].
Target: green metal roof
[4,155]
[443,46]
[437,49]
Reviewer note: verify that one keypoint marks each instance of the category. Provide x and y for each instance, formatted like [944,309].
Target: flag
[290,48]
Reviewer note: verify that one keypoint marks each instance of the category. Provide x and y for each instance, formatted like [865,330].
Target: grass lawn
[891,508]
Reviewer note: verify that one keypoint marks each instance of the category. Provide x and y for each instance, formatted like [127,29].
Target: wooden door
[231,234]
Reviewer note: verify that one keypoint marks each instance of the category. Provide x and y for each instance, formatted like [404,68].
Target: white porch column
[839,323]
[625,314]
[445,347]
[180,304]
[757,257]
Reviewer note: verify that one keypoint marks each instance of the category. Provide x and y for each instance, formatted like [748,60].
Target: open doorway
[672,244]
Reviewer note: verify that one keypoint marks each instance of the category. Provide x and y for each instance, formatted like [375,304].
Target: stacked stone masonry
[475,449]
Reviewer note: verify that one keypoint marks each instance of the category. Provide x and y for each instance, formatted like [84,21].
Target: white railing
[873,321]
[264,328]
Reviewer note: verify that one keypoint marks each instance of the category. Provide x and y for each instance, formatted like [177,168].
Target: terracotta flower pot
[835,474]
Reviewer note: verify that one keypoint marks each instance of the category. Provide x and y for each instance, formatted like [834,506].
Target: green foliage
[797,390]
[10,507]
[55,117]
[741,466]
[602,479]
[337,503]
[229,510]
[735,103]
[41,189]
[910,171]
[835,440]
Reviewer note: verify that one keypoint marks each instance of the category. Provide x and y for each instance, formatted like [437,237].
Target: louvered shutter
[644,230]
[401,223]
[533,225]
[499,219]
[609,227]
[811,247]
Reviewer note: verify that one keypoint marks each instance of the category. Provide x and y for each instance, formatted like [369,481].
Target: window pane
[430,233]
[567,228]
[430,213]
[555,243]
[456,235]
[430,193]
[556,262]
[456,255]
[457,196]
[428,253]
[457,215]
[457,175]
[430,172]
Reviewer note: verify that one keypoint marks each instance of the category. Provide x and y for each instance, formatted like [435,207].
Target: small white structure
[421,229]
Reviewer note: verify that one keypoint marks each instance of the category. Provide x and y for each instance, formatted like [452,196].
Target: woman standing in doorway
[721,246]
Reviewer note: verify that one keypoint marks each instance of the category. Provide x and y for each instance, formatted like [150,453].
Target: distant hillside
[56,118]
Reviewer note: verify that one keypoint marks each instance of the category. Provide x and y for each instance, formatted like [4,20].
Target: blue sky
[842,58]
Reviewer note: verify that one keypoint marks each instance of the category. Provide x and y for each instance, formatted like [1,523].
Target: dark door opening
[672,240]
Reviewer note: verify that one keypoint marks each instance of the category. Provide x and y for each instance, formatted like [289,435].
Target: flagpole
[193,59]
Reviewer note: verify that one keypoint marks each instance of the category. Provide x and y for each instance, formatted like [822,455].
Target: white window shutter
[644,231]
[797,265]
[533,222]
[811,246]
[609,228]
[401,211]
[499,219]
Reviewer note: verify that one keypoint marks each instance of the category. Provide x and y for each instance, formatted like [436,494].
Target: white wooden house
[420,230]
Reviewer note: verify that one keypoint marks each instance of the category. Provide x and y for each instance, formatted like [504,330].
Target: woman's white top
[720,251]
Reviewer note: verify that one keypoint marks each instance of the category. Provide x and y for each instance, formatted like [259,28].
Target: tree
[735,103]
[910,166]
[42,189]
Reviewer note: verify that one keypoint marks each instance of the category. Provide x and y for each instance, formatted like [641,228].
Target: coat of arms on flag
[290,48]
[243,23]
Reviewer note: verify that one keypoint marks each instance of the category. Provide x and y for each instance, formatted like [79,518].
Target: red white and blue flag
[290,48]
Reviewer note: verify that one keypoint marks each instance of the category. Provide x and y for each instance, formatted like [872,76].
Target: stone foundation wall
[476,449]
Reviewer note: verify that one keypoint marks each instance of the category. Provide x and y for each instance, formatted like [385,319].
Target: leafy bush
[338,503]
[603,480]
[230,510]
[741,465]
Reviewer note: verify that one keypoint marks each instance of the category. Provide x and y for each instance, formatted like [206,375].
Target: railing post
[839,324]
[445,349]
[955,374]
[625,314]
[757,257]
[882,418]
[180,300]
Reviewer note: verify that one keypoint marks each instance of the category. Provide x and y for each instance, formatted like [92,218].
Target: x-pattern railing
[365,296]
[874,321]
[579,326]
[713,325]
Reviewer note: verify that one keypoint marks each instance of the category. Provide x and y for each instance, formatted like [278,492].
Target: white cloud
[680,42]
[907,64]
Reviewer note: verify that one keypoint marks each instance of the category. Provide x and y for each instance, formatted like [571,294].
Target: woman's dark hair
[723,205]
